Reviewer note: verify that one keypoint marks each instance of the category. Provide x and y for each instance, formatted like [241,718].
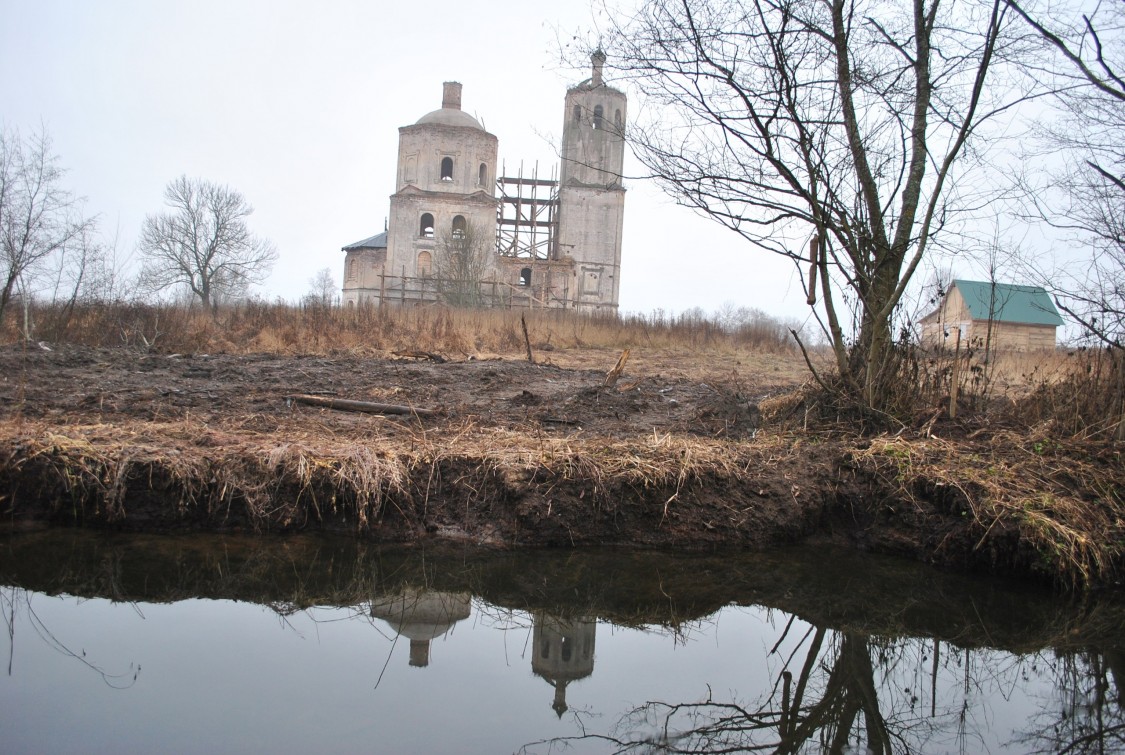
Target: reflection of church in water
[563,649]
[422,615]
[564,652]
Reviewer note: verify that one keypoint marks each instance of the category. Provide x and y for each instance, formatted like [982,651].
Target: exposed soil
[77,384]
[677,453]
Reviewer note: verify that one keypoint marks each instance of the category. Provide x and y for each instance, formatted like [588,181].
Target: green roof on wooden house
[1007,302]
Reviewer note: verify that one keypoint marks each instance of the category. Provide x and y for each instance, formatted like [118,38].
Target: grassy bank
[711,439]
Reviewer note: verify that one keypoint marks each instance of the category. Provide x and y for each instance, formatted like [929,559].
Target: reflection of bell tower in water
[591,194]
[421,616]
[563,653]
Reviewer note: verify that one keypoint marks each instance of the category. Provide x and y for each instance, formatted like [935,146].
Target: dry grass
[286,329]
[1036,504]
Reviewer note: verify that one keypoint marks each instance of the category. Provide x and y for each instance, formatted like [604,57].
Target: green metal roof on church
[378,241]
[1030,305]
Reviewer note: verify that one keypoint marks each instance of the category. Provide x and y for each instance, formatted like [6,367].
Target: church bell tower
[591,193]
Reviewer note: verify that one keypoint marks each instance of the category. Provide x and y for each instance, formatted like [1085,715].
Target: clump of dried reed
[1034,504]
[257,326]
[1085,398]
[165,473]
[108,475]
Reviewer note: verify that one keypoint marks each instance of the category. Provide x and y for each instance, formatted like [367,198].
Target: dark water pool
[209,644]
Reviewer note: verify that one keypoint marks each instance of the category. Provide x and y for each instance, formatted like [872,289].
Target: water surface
[215,644]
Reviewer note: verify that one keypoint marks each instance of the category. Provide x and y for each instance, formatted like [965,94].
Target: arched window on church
[426,228]
[447,169]
[459,226]
[599,117]
[525,276]
[425,264]
[617,119]
[482,175]
[353,269]
[577,113]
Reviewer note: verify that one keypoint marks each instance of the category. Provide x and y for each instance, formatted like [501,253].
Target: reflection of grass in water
[12,599]
[636,588]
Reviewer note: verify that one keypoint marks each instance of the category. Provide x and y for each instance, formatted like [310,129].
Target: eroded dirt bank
[531,454]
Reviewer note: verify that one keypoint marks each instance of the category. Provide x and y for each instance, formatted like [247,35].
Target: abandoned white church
[461,232]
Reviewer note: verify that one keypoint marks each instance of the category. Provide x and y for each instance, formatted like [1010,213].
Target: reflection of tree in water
[1087,711]
[828,695]
[841,691]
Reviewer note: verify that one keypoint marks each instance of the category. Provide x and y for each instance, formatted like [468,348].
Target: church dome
[450,113]
[449,117]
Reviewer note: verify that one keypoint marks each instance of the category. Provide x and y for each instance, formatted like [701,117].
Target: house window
[426,229]
[458,226]
[425,264]
[525,277]
[447,169]
[482,175]
[599,117]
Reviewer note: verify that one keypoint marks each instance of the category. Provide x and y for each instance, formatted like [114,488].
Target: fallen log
[435,358]
[368,407]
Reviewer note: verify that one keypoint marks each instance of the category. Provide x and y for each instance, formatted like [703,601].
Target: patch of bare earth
[675,453]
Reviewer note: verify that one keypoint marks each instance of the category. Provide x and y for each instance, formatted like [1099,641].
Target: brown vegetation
[705,439]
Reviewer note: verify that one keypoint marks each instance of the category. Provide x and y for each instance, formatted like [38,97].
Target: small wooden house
[1003,316]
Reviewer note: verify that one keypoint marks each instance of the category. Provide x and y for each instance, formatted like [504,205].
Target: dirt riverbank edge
[563,464]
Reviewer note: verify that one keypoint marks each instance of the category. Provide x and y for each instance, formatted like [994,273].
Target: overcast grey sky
[298,105]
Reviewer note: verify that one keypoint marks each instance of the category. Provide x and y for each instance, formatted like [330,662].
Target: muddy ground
[71,384]
[684,450]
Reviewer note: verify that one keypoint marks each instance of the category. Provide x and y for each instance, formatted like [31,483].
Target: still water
[214,644]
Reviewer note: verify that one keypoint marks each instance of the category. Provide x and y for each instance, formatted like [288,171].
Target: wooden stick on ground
[436,358]
[526,340]
[369,407]
[615,373]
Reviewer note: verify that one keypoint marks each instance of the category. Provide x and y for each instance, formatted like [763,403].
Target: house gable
[995,315]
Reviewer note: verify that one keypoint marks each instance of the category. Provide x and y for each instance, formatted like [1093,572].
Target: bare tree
[203,243]
[38,217]
[1083,186]
[831,132]
[463,261]
[322,289]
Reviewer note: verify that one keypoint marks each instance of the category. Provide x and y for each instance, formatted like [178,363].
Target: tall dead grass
[257,326]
